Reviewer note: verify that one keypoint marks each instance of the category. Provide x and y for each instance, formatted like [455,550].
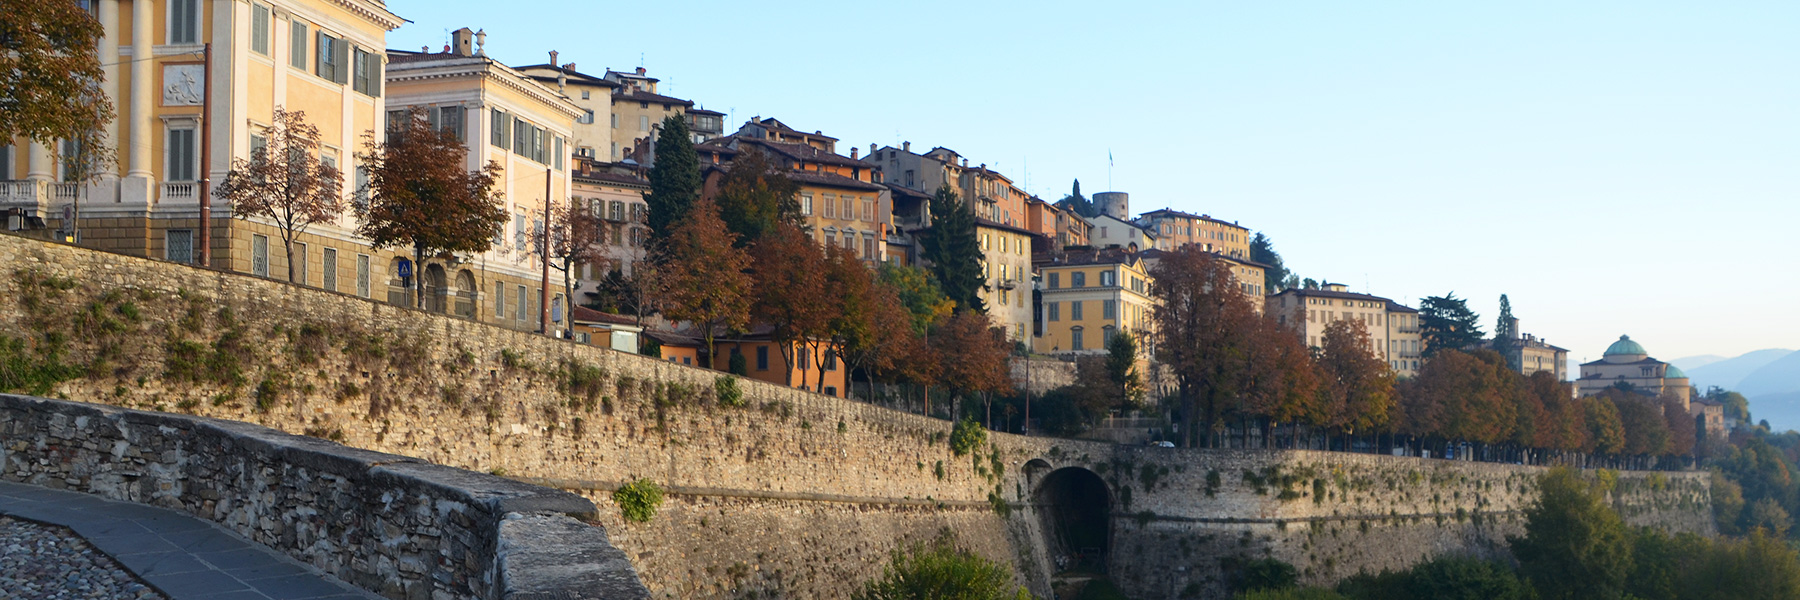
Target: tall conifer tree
[954,252]
[1506,337]
[674,179]
[1446,323]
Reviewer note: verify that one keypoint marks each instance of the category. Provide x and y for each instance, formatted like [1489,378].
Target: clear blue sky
[1616,167]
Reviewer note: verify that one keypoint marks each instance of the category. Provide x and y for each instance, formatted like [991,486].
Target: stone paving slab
[184,557]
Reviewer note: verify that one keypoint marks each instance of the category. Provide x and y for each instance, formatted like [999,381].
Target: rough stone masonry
[772,490]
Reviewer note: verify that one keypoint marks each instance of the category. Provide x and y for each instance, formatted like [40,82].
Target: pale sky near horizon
[1615,167]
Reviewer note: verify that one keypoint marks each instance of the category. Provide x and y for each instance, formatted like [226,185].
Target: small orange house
[677,348]
[765,362]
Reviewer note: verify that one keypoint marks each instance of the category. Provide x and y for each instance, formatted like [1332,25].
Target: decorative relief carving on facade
[182,86]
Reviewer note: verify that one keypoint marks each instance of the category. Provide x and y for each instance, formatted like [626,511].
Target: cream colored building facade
[637,114]
[1626,362]
[591,136]
[321,57]
[511,119]
[1006,264]
[1174,229]
[1089,295]
[1392,328]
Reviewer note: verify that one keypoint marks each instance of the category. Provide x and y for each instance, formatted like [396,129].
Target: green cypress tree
[1505,337]
[674,179]
[953,250]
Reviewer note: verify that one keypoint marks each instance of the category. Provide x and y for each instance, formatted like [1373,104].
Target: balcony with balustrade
[180,191]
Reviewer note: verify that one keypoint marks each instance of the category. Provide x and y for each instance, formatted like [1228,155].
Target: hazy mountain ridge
[1694,362]
[1729,372]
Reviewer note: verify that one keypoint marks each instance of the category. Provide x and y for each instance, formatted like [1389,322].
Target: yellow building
[1393,328]
[512,119]
[1090,295]
[840,198]
[637,113]
[1174,229]
[1006,266]
[323,58]
[592,132]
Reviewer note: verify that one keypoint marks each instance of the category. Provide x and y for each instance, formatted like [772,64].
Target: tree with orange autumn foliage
[704,276]
[790,281]
[285,182]
[419,195]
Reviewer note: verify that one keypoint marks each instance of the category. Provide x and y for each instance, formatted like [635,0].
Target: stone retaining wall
[397,526]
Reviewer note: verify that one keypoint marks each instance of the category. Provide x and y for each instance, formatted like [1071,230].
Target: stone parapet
[390,524]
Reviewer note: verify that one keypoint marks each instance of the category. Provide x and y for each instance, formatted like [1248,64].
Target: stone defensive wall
[397,526]
[771,491]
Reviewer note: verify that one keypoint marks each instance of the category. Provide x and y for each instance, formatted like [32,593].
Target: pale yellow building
[1174,229]
[1006,266]
[592,133]
[324,58]
[637,114]
[841,199]
[512,119]
[1087,296]
[615,194]
[1392,328]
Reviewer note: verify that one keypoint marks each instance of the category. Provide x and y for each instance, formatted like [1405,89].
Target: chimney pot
[906,146]
[871,148]
[569,67]
[552,58]
[853,153]
[640,70]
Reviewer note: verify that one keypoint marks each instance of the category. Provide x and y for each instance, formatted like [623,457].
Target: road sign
[405,269]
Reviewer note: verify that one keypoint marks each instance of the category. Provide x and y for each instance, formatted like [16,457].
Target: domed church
[1626,361]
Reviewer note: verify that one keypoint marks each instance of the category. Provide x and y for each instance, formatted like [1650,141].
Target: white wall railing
[180,192]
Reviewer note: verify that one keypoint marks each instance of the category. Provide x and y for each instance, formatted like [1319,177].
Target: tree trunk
[287,244]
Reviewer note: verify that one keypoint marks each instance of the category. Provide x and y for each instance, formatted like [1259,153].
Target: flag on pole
[1109,160]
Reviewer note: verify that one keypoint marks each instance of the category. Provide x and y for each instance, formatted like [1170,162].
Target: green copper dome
[1674,372]
[1625,346]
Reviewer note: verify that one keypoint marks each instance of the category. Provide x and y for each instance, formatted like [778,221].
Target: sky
[1614,167]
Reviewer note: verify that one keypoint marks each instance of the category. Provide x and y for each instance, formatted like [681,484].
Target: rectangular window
[519,302]
[521,137]
[831,206]
[181,157]
[259,255]
[297,45]
[868,213]
[869,246]
[362,275]
[259,29]
[501,129]
[1055,280]
[329,273]
[499,300]
[1075,310]
[643,123]
[559,153]
[1109,309]
[1078,279]
[334,58]
[587,117]
[1075,339]
[806,204]
[367,80]
[179,246]
[518,231]
[615,121]
[184,21]
[1053,311]
[300,263]
[762,358]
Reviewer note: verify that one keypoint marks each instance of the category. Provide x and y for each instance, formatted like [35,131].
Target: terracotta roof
[1157,254]
[1185,215]
[588,315]
[903,191]
[702,111]
[1397,307]
[611,177]
[777,125]
[1338,295]
[834,180]
[805,153]
[637,96]
[573,75]
[981,222]
[1104,256]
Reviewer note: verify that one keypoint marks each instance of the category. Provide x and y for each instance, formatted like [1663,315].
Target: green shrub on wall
[639,500]
[967,436]
[725,387]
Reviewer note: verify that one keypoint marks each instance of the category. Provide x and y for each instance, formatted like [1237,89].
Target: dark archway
[1076,507]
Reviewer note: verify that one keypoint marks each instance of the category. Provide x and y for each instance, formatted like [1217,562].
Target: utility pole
[544,292]
[205,158]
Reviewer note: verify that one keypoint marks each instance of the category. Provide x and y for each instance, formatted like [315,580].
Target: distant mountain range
[1769,378]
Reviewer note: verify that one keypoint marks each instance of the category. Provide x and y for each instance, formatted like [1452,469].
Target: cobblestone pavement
[52,563]
[182,557]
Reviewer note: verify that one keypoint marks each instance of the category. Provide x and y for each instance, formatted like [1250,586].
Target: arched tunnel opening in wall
[1076,508]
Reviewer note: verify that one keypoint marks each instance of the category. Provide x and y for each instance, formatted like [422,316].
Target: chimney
[965,163]
[462,42]
[871,148]
[569,67]
[906,146]
[640,70]
[853,150]
[552,58]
